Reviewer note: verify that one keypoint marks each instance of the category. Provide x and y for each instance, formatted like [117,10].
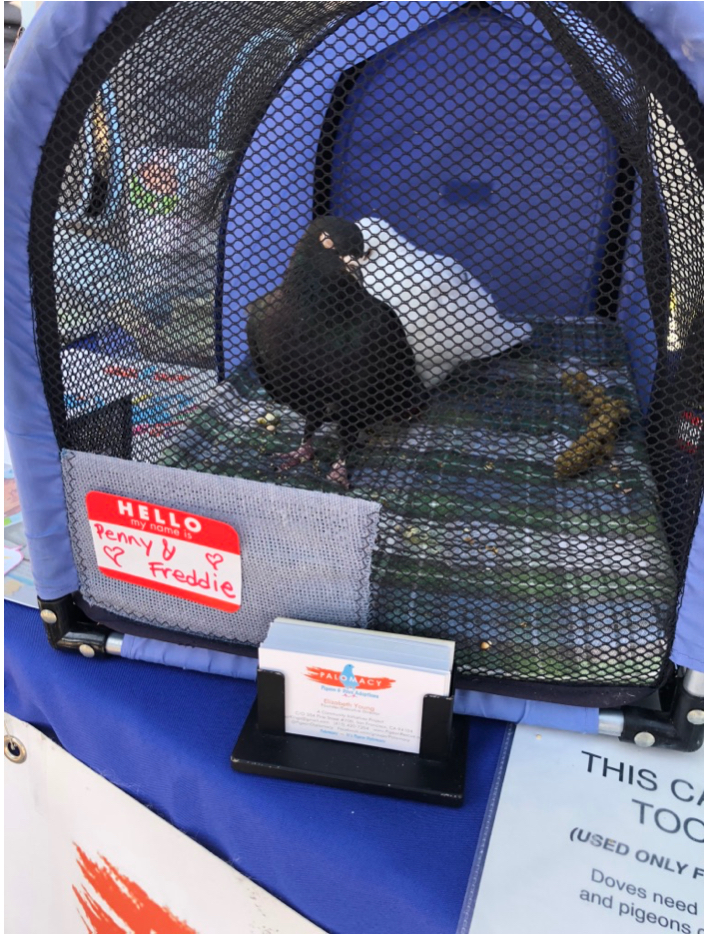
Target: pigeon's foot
[294,458]
[338,475]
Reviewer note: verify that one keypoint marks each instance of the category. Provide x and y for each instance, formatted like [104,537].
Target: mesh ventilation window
[447,257]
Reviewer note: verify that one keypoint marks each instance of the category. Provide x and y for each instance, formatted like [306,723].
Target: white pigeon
[447,315]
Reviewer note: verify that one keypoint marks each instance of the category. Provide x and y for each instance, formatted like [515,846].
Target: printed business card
[354,700]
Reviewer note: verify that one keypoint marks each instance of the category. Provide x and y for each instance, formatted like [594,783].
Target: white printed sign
[594,835]
[178,553]
[86,858]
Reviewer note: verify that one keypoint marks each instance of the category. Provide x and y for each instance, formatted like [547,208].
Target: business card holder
[435,775]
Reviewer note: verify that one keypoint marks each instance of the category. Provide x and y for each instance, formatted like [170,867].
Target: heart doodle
[114,553]
[214,560]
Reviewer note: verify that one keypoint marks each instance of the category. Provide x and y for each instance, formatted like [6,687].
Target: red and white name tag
[164,549]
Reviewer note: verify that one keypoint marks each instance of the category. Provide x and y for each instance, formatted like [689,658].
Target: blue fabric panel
[275,183]
[474,703]
[349,862]
[688,647]
[679,27]
[36,77]
[272,200]
[479,195]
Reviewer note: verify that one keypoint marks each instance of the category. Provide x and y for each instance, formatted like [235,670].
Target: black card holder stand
[436,775]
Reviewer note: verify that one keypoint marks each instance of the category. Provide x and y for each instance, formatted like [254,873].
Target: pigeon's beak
[354,262]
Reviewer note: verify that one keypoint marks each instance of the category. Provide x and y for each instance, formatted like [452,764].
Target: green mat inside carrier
[535,578]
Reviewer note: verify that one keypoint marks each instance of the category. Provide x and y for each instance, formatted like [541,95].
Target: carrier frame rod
[680,725]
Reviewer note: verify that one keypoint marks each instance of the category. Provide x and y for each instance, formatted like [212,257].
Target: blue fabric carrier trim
[473,703]
[37,75]
[688,647]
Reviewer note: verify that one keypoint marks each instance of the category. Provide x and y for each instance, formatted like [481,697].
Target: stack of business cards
[356,685]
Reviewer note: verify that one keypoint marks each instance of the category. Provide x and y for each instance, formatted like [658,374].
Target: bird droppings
[605,415]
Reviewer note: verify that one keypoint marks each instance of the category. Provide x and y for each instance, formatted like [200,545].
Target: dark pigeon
[325,347]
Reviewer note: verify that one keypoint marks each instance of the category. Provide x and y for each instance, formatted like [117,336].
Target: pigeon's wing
[400,388]
[261,307]
[259,314]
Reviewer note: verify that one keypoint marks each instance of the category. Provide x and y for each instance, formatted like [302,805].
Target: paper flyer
[592,835]
[19,583]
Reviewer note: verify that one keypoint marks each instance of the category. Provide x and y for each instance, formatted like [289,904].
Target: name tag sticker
[177,553]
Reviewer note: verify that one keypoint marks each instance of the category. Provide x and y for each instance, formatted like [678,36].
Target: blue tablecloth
[349,862]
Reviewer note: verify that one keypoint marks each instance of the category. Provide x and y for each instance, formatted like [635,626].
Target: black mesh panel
[448,257]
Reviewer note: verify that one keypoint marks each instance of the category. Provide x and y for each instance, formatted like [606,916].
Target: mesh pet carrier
[411,295]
